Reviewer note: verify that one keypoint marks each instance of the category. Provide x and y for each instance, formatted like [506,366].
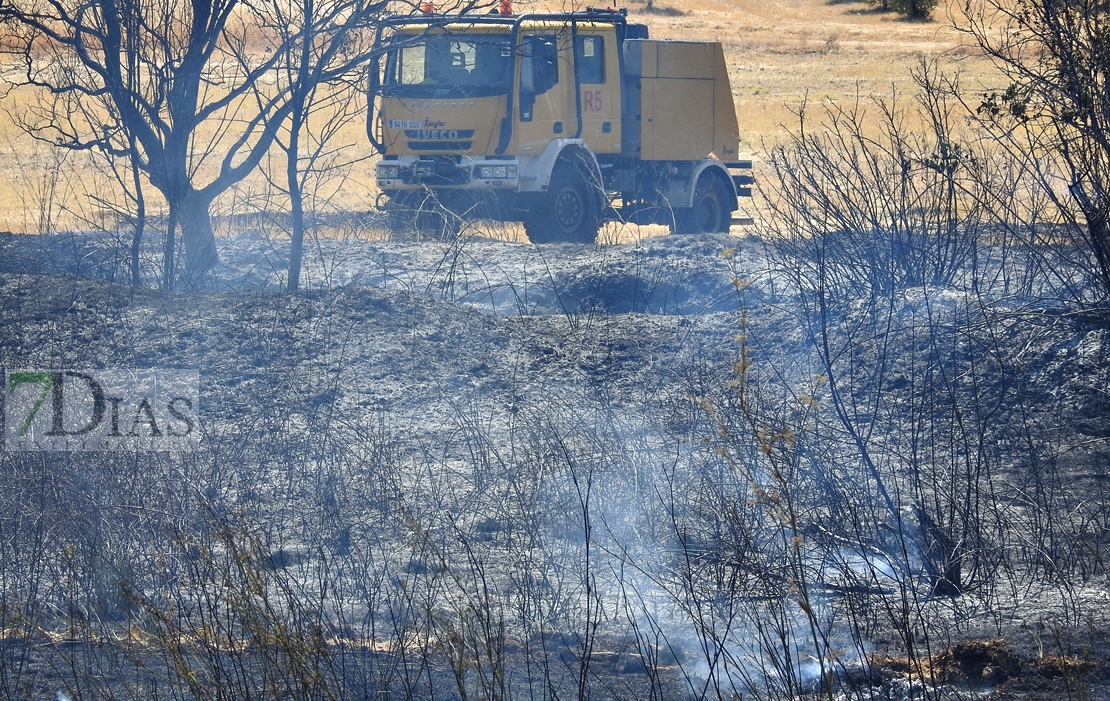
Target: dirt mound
[976,663]
[1063,667]
[992,665]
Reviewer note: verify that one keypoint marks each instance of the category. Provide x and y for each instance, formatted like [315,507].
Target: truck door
[545,108]
[595,58]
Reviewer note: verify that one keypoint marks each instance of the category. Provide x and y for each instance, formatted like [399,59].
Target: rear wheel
[710,213]
[568,212]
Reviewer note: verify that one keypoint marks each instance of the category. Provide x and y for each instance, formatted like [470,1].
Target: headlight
[388,172]
[496,172]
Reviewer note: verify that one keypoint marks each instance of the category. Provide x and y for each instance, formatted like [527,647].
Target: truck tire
[710,213]
[567,212]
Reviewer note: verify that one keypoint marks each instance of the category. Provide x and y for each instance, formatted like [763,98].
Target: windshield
[448,66]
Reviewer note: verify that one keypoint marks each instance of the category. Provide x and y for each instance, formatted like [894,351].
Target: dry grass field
[779,53]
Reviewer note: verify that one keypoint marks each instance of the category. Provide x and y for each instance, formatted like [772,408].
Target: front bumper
[457,172]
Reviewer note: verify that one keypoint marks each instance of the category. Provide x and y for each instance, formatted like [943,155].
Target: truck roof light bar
[427,9]
[622,11]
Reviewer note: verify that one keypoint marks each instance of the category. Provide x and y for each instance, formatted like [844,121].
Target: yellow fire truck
[561,121]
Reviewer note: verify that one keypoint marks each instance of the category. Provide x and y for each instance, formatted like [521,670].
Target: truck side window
[539,66]
[589,55]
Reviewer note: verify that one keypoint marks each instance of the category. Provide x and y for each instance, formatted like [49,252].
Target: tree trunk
[1095,213]
[136,246]
[169,273]
[140,220]
[1098,229]
[942,557]
[197,238]
[296,205]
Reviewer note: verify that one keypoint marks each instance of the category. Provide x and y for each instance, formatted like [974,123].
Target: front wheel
[568,212]
[710,213]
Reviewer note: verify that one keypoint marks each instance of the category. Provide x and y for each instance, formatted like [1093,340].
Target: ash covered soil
[534,431]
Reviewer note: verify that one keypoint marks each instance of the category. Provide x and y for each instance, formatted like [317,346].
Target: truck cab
[561,121]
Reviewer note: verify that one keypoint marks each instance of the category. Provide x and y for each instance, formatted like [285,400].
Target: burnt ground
[443,440]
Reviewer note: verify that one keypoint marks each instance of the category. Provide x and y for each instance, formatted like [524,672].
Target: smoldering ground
[492,470]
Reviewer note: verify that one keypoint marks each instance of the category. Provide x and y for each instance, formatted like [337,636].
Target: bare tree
[170,86]
[318,74]
[1056,107]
